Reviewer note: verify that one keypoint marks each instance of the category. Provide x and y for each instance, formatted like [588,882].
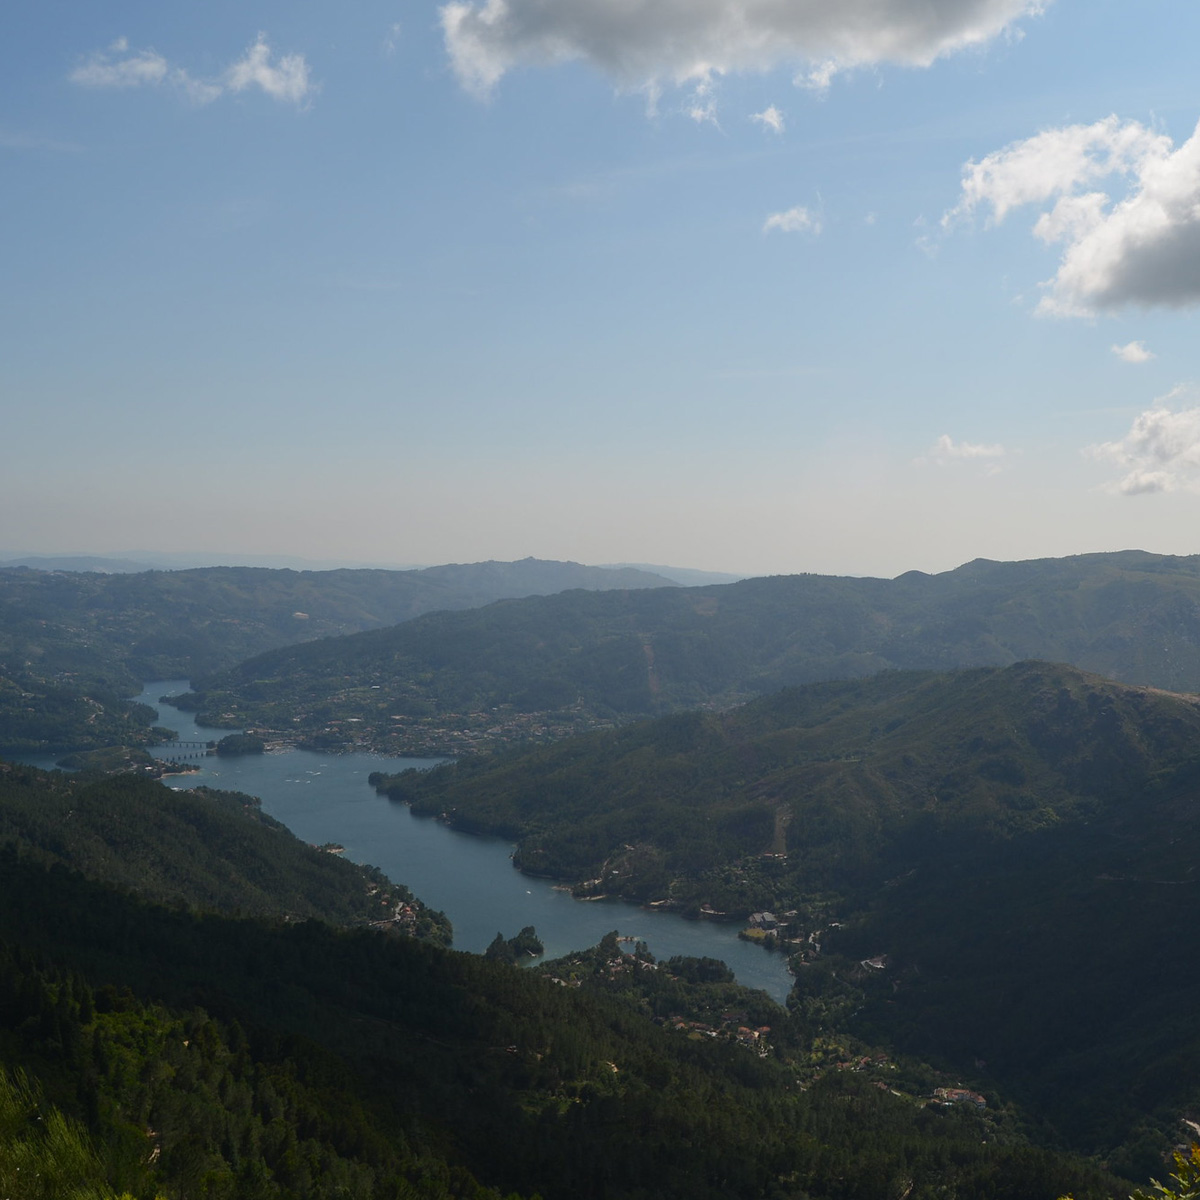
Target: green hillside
[544,667]
[151,1045]
[74,644]
[214,1058]
[837,784]
[203,849]
[1015,850]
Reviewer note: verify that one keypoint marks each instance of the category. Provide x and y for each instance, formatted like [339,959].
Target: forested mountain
[848,779]
[546,666]
[216,1058]
[205,849]
[169,1051]
[992,870]
[74,645]
[1000,867]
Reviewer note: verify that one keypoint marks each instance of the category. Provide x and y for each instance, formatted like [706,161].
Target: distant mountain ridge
[71,641]
[76,562]
[560,663]
[684,576]
[146,560]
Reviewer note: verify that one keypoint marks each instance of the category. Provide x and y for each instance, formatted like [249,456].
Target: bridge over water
[183,751]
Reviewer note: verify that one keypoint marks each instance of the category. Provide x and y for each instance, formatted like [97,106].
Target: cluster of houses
[943,1095]
[774,932]
[730,1030]
[447,733]
[864,1063]
[958,1096]
[403,920]
[763,920]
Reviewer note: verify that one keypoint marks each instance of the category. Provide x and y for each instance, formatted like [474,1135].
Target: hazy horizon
[182,560]
[755,288]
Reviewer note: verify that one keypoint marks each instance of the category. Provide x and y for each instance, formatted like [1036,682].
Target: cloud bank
[285,78]
[645,43]
[1160,453]
[1137,243]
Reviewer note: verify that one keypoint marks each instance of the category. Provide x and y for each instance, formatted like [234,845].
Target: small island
[240,743]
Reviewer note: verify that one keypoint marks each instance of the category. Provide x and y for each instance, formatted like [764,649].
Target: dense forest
[830,785]
[988,867]
[201,848]
[546,667]
[211,1057]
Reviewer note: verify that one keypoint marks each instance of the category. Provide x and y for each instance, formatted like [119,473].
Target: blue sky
[760,286]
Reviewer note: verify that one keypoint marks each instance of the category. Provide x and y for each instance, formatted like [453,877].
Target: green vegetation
[43,1154]
[511,950]
[541,668]
[982,879]
[212,1057]
[179,1104]
[694,996]
[982,869]
[64,714]
[73,645]
[110,760]
[201,848]
[1186,1179]
[828,786]
[240,743]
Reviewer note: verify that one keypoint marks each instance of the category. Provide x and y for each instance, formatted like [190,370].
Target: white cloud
[1133,352]
[643,43]
[795,220]
[285,79]
[819,78]
[1139,246]
[702,105]
[1160,453]
[391,40]
[198,91]
[117,66]
[1053,162]
[770,118]
[946,450]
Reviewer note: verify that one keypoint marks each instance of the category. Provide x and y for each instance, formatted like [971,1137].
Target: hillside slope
[203,849]
[226,1059]
[73,644]
[848,782]
[998,869]
[546,666]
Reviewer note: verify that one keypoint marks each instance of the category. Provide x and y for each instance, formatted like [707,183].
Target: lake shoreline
[323,797]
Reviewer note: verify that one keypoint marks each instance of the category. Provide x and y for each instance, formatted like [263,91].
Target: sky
[761,286]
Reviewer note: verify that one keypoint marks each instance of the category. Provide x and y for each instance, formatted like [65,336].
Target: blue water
[326,798]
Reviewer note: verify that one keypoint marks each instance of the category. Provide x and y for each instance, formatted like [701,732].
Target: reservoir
[326,798]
